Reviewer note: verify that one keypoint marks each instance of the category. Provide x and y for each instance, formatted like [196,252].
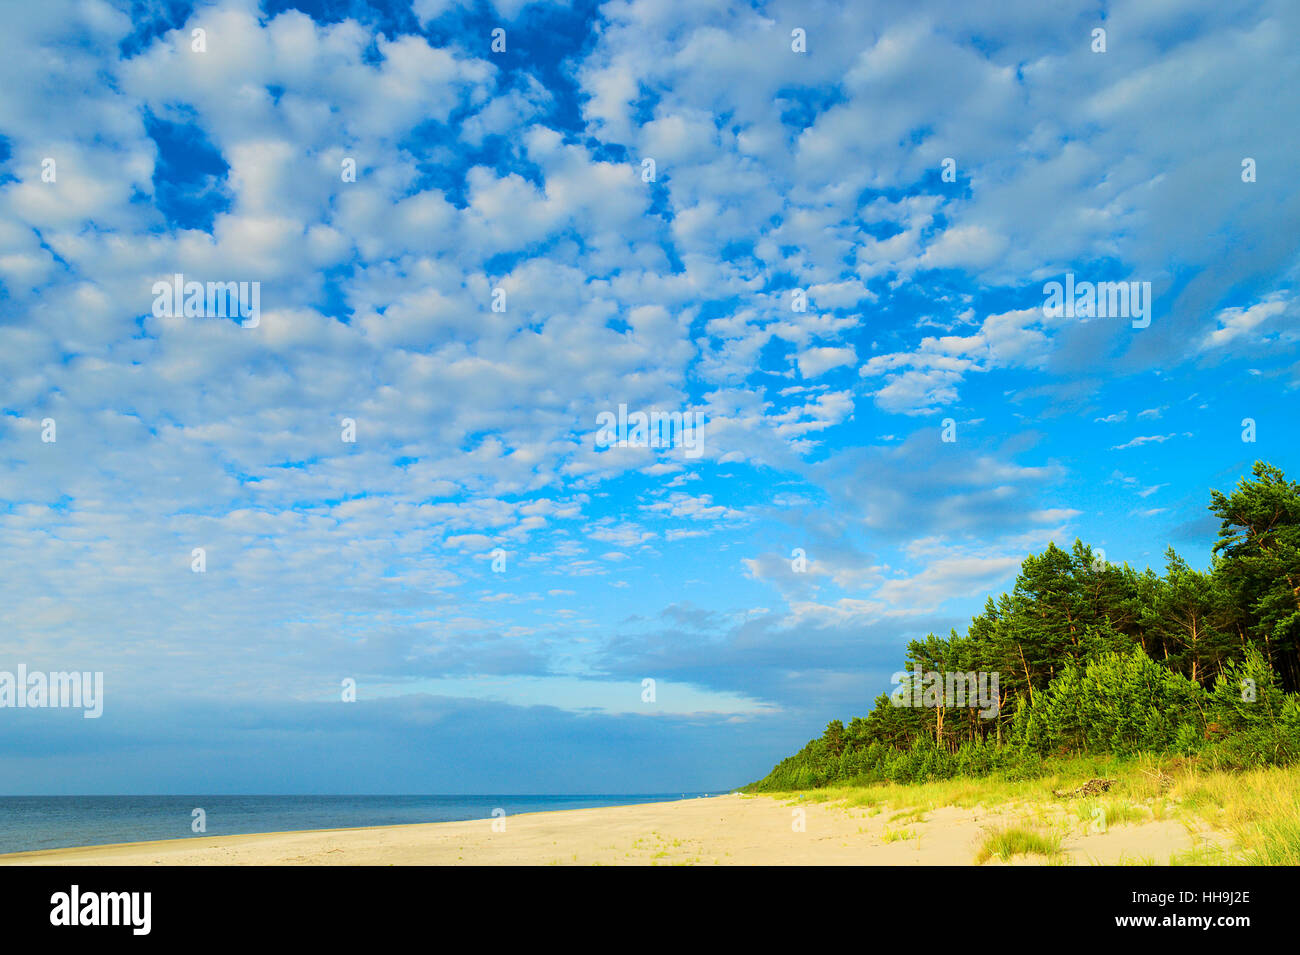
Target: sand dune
[726,830]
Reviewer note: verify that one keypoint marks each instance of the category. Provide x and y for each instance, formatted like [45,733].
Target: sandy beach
[723,830]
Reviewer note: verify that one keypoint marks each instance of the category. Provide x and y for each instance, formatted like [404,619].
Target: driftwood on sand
[1093,787]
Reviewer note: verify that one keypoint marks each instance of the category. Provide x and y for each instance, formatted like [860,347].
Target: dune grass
[1240,817]
[1259,807]
[915,814]
[1111,812]
[1016,841]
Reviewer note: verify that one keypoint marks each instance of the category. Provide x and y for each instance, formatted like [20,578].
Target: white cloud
[815,362]
[1238,323]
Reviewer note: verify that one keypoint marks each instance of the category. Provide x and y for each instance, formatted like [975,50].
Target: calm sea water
[53,822]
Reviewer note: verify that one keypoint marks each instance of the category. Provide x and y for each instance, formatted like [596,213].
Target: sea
[54,822]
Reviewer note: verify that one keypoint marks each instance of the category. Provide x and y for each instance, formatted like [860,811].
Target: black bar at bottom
[335,905]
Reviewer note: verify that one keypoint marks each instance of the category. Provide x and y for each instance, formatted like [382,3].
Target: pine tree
[1184,607]
[1259,538]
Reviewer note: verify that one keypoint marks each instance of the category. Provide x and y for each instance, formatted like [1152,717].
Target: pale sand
[726,830]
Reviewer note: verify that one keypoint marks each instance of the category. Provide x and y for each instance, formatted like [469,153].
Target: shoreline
[730,829]
[14,858]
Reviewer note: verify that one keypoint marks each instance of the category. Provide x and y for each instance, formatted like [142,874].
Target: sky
[825,227]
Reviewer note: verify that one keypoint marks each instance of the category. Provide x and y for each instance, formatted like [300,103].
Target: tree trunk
[1029,683]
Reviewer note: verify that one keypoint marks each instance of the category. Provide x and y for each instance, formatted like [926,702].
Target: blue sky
[776,172]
